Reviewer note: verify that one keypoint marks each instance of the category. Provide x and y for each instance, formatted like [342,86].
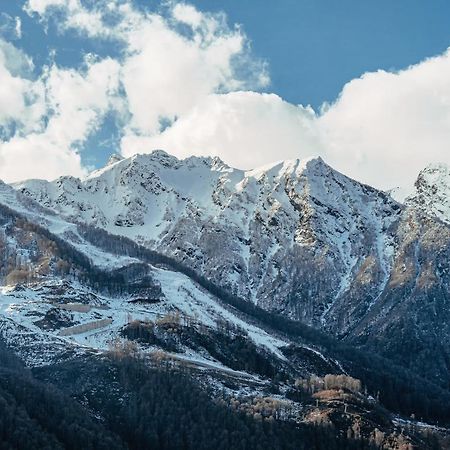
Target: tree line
[398,388]
[121,403]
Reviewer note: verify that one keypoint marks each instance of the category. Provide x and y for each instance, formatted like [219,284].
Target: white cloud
[37,156]
[21,98]
[73,15]
[166,73]
[73,104]
[383,129]
[165,70]
[10,27]
[188,14]
[18,27]
[16,61]
[80,100]
[41,6]
[184,67]
[246,129]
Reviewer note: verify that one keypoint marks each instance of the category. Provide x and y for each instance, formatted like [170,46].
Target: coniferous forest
[118,403]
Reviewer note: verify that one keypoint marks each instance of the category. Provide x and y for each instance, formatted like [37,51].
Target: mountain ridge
[220,280]
[432,191]
[294,237]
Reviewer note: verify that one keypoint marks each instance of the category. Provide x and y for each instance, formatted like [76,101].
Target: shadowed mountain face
[297,238]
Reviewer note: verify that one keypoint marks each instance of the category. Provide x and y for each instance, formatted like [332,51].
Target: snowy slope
[432,191]
[191,208]
[295,237]
[49,315]
[22,312]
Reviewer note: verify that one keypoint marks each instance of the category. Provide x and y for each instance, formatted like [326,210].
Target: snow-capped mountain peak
[432,191]
[191,208]
[114,158]
[295,237]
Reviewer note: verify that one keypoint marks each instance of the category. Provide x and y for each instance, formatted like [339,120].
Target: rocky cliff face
[287,236]
[432,192]
[296,237]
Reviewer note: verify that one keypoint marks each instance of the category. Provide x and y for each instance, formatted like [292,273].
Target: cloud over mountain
[186,81]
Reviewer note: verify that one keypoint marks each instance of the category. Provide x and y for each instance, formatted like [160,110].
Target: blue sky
[315,46]
[190,77]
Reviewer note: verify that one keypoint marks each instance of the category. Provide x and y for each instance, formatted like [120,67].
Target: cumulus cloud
[385,127]
[167,74]
[246,129]
[80,100]
[10,27]
[51,116]
[170,62]
[21,98]
[183,83]
[166,69]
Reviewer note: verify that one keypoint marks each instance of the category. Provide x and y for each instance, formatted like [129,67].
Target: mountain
[296,238]
[153,268]
[432,192]
[265,221]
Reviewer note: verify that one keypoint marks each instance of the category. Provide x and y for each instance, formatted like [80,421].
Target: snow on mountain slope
[51,309]
[34,317]
[189,209]
[432,191]
[295,237]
